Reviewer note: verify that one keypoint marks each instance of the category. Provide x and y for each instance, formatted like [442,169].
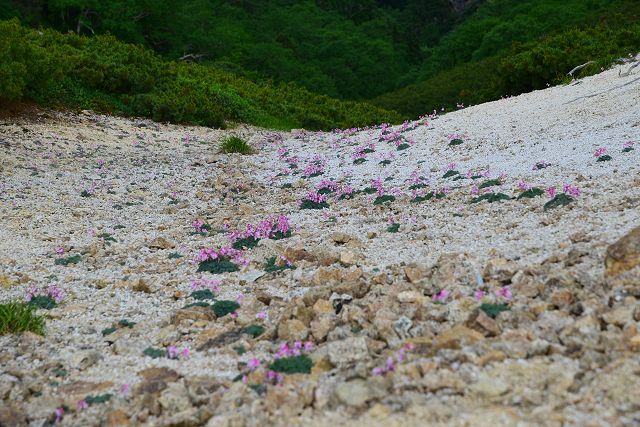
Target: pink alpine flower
[600,151]
[172,352]
[59,414]
[478,295]
[571,190]
[59,251]
[551,192]
[504,293]
[441,296]
[81,404]
[253,364]
[524,186]
[124,389]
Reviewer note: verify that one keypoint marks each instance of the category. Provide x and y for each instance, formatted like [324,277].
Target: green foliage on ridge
[105,75]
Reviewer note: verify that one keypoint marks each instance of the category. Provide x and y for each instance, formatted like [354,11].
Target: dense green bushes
[524,67]
[103,74]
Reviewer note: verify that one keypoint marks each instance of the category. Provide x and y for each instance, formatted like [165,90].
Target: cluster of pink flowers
[377,184]
[198,224]
[172,352]
[345,190]
[524,186]
[390,365]
[571,190]
[600,151]
[286,351]
[222,253]
[453,136]
[313,196]
[313,169]
[449,167]
[59,251]
[265,229]
[283,152]
[417,179]
[628,145]
[202,283]
[53,291]
[327,184]
[441,296]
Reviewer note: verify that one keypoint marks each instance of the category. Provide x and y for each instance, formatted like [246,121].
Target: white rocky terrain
[409,298]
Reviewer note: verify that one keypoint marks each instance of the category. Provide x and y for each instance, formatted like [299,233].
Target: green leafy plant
[450,173]
[217,266]
[604,158]
[74,259]
[100,398]
[175,255]
[202,294]
[310,204]
[16,317]
[254,330]
[455,141]
[393,228]
[108,331]
[531,193]
[491,198]
[561,199]
[359,161]
[235,144]
[387,198]
[292,365]
[490,183]
[154,353]
[245,243]
[493,310]
[271,266]
[223,307]
[45,302]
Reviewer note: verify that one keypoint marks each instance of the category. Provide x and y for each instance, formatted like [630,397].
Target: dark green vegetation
[493,310]
[217,266]
[559,200]
[224,307]
[100,398]
[74,259]
[254,330]
[42,301]
[18,317]
[154,353]
[254,57]
[105,75]
[292,365]
[234,144]
[491,197]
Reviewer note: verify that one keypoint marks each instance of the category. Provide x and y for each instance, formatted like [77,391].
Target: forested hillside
[411,56]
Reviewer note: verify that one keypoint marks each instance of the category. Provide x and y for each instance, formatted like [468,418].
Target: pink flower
[308,346]
[390,365]
[261,315]
[504,293]
[475,190]
[59,414]
[253,364]
[377,371]
[571,190]
[81,404]
[551,191]
[478,295]
[59,250]
[124,389]
[524,186]
[184,353]
[172,352]
[441,296]
[234,315]
[600,152]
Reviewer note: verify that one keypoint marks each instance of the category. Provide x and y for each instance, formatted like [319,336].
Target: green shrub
[493,310]
[224,307]
[217,266]
[292,365]
[43,301]
[106,75]
[18,317]
[254,330]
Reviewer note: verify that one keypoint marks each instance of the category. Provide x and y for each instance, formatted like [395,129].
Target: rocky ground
[385,283]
